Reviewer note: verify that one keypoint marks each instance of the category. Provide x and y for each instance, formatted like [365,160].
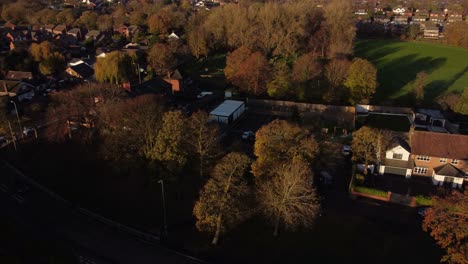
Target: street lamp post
[13,137]
[164,207]
[17,117]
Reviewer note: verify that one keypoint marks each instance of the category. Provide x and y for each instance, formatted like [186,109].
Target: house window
[397,156]
[424,158]
[420,170]
[454,161]
[443,160]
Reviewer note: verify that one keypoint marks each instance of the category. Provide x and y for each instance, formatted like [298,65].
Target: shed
[228,111]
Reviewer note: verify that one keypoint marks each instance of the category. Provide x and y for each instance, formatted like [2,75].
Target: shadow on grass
[437,87]
[398,73]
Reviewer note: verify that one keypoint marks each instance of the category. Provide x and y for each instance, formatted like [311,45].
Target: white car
[203,94]
[346,150]
[247,135]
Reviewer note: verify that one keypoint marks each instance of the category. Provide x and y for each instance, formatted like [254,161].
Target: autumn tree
[457,34]
[197,43]
[117,67]
[341,27]
[129,127]
[88,19]
[446,221]
[279,85]
[335,72]
[203,139]
[162,58]
[247,70]
[361,81]
[305,68]
[223,201]
[170,147]
[66,17]
[281,142]
[365,146]
[50,60]
[79,106]
[288,197]
[418,85]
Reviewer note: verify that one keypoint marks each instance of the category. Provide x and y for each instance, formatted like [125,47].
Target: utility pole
[164,208]
[17,117]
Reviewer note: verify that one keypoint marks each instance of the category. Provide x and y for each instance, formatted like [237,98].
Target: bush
[371,191]
[423,200]
[360,178]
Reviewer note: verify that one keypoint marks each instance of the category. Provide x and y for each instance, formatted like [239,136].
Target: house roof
[74,31]
[431,112]
[83,69]
[18,75]
[398,141]
[176,75]
[449,170]
[60,28]
[155,85]
[226,108]
[439,145]
[93,33]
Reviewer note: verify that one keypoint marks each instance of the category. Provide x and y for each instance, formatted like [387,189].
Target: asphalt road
[93,240]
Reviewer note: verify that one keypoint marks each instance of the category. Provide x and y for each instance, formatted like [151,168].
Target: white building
[227,112]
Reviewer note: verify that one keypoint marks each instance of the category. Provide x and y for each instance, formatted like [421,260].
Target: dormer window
[397,156]
[454,161]
[443,160]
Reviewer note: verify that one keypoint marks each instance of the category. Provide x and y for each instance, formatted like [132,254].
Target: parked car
[248,135]
[28,130]
[203,94]
[422,210]
[346,150]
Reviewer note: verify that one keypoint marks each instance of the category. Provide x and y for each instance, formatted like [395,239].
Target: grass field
[399,62]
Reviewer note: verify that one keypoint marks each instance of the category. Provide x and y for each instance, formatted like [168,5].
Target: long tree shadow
[399,72]
[373,51]
[438,87]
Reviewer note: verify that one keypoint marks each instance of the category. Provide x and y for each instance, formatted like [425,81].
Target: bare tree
[203,139]
[289,197]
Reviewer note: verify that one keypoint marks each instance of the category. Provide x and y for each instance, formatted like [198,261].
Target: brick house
[444,157]
[440,156]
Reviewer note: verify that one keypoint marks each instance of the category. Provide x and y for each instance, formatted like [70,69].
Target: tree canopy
[117,67]
[281,142]
[446,221]
[361,81]
[223,201]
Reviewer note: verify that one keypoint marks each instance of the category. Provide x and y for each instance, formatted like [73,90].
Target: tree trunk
[201,165]
[218,230]
[275,232]
[365,167]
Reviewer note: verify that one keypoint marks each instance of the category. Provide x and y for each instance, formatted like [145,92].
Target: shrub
[360,178]
[423,200]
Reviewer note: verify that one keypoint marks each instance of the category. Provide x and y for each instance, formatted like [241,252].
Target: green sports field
[399,62]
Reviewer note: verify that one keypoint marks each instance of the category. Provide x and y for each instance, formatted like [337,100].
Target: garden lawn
[398,63]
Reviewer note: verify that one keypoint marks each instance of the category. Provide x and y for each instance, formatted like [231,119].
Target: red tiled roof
[439,145]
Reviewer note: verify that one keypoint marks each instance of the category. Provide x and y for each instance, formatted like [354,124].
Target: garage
[394,170]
